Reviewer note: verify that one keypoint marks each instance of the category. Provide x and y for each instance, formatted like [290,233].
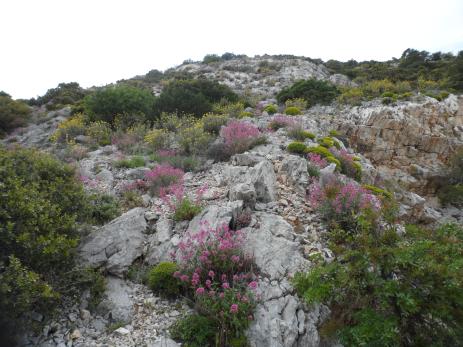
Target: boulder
[244,192]
[264,180]
[294,168]
[246,159]
[118,302]
[117,244]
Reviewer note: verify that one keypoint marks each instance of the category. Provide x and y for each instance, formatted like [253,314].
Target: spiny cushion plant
[297,148]
[292,111]
[220,278]
[162,281]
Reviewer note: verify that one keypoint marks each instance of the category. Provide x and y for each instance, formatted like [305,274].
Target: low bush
[389,290]
[157,139]
[292,111]
[450,189]
[186,209]
[162,281]
[349,165]
[107,103]
[173,123]
[312,90]
[327,142]
[219,277]
[219,151]
[229,109]
[63,94]
[194,331]
[299,134]
[342,204]
[102,208]
[213,122]
[353,96]
[271,109]
[130,199]
[99,132]
[69,129]
[297,148]
[299,103]
[13,114]
[281,121]
[163,176]
[194,140]
[240,136]
[451,195]
[246,114]
[382,193]
[136,161]
[192,97]
[131,141]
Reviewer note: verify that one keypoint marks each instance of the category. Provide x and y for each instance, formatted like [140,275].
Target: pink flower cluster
[281,121]
[317,160]
[163,176]
[340,201]
[239,132]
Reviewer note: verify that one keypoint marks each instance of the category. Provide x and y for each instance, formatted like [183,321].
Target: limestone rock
[117,244]
[295,169]
[118,302]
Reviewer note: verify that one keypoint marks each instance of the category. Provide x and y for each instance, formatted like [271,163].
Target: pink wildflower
[234,308]
[200,291]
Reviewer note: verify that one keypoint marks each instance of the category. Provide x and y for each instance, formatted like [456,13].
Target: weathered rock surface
[118,303]
[117,244]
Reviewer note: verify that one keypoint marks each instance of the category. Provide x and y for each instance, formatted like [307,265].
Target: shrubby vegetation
[384,288]
[13,114]
[192,97]
[312,91]
[64,94]
[107,103]
[450,189]
[41,201]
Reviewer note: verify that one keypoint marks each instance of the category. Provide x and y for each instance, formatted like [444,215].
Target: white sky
[95,42]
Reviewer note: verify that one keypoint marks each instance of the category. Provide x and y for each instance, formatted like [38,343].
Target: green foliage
[326,141]
[213,122]
[313,91]
[186,210]
[379,191]
[39,205]
[299,103]
[136,161]
[292,111]
[69,129]
[230,109]
[353,96]
[107,103]
[194,140]
[192,97]
[195,331]
[211,58]
[13,114]
[64,94]
[299,134]
[320,150]
[157,139]
[102,208]
[162,281]
[130,199]
[297,148]
[389,290]
[186,163]
[271,109]
[450,189]
[99,132]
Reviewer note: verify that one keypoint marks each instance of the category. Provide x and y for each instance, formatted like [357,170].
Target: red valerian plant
[163,176]
[220,277]
[342,203]
[240,136]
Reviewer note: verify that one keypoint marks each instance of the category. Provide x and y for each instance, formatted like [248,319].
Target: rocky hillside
[246,173]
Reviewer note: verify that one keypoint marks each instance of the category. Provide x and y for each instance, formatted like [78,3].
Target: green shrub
[312,90]
[326,141]
[388,101]
[69,129]
[213,122]
[451,195]
[173,123]
[230,109]
[245,114]
[131,163]
[352,96]
[219,152]
[64,94]
[186,210]
[271,109]
[195,331]
[379,191]
[39,205]
[13,114]
[162,281]
[333,160]
[299,103]
[103,208]
[131,199]
[292,111]
[389,290]
[194,140]
[405,96]
[99,132]
[157,139]
[211,58]
[107,103]
[297,148]
[192,97]
[299,134]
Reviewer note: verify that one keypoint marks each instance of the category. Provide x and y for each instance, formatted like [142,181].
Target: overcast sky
[95,42]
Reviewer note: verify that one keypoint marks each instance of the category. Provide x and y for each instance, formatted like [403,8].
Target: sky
[95,42]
